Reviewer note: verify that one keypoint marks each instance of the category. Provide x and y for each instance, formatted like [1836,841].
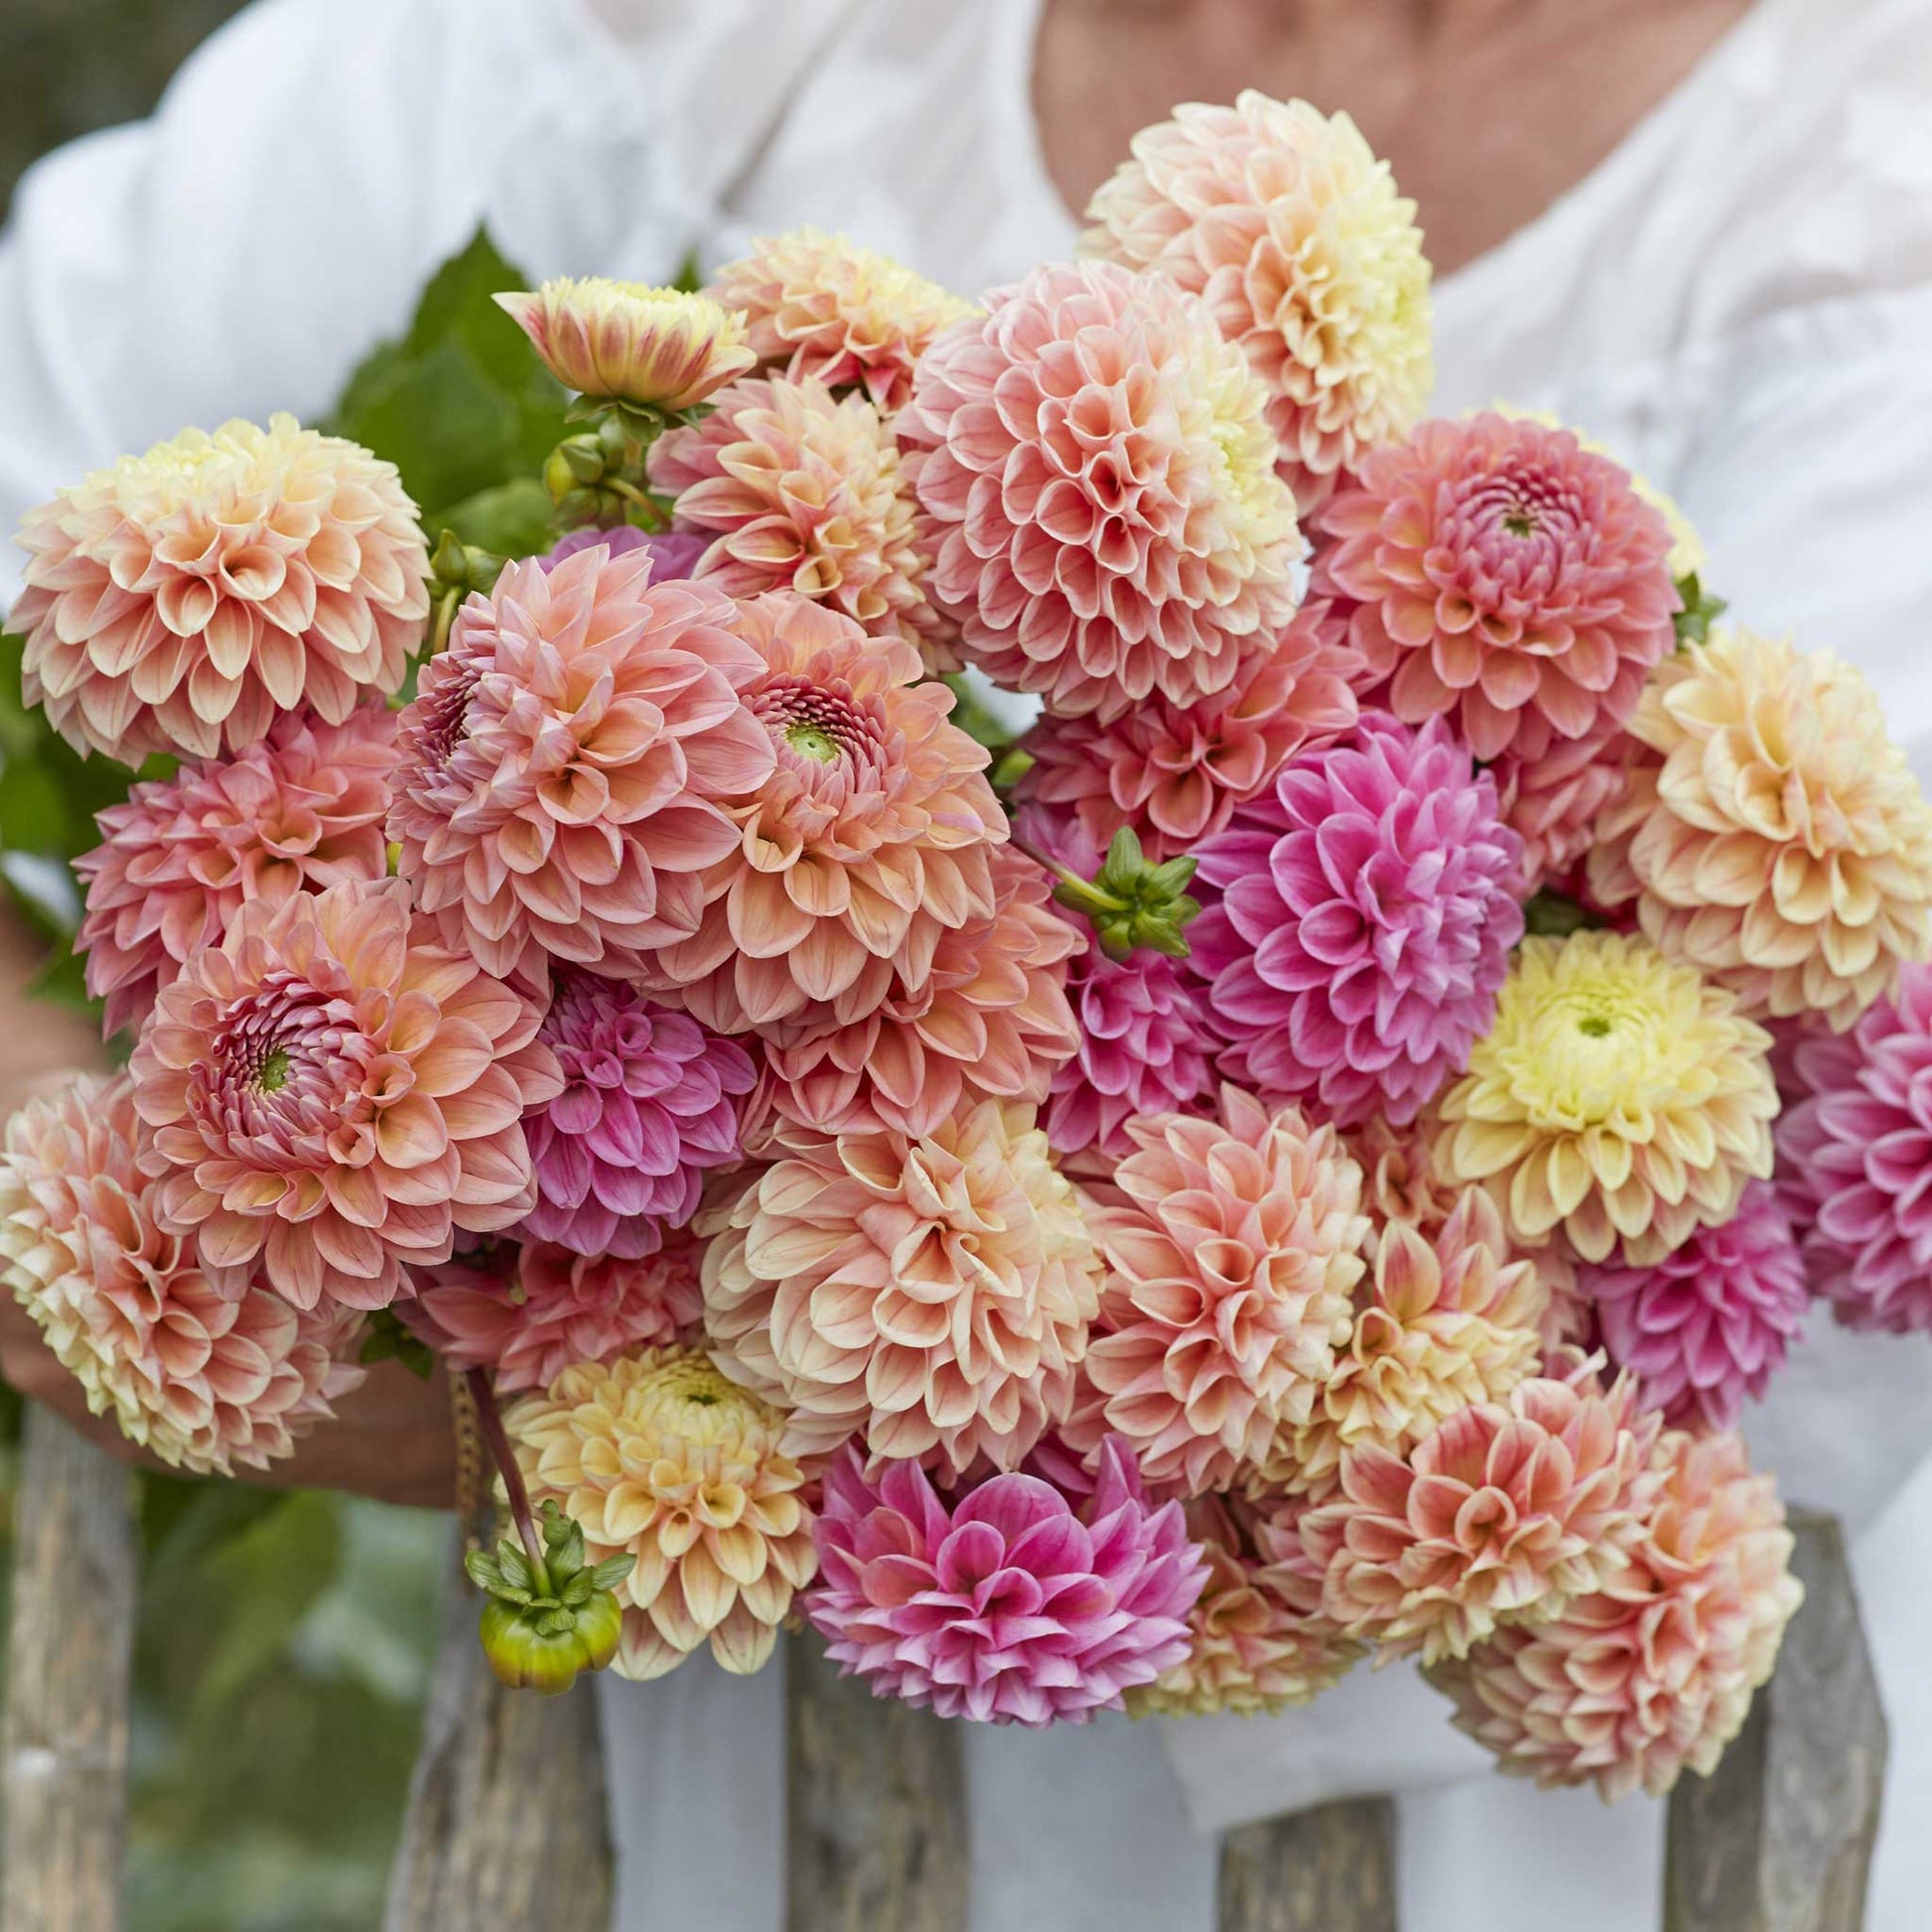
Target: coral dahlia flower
[626,342]
[1553,803]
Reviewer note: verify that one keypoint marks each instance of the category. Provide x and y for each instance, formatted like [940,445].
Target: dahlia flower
[296,812]
[816,305]
[991,1021]
[1176,773]
[184,599]
[1654,1673]
[1619,1097]
[527,1313]
[1772,834]
[1555,802]
[929,1296]
[1097,477]
[869,838]
[658,1456]
[331,1094]
[1257,1641]
[563,759]
[1358,921]
[1504,577]
[1292,230]
[1706,1325]
[650,1100]
[1231,1257]
[205,1380]
[626,342]
[1504,1511]
[674,554]
[1007,1603]
[1857,1161]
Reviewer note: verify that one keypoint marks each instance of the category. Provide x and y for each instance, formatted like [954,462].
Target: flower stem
[653,515]
[1083,888]
[504,1458]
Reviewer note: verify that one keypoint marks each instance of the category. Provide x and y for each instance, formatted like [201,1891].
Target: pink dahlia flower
[1705,1327]
[1856,1160]
[528,1314]
[563,759]
[1098,476]
[1360,922]
[298,811]
[333,1093]
[1554,802]
[870,835]
[650,1100]
[182,600]
[202,1379]
[1176,773]
[1007,1605]
[1505,577]
[673,554]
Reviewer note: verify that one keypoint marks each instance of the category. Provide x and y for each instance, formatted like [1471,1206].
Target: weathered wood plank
[876,1807]
[506,1829]
[76,1562]
[1778,1839]
[1330,1869]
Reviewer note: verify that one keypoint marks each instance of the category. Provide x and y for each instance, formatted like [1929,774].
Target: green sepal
[1700,611]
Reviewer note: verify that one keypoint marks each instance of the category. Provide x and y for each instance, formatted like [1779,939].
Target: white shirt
[1739,301]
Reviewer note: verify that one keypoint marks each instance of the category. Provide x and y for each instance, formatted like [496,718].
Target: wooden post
[1330,1869]
[76,1562]
[874,1806]
[506,1829]
[1778,1839]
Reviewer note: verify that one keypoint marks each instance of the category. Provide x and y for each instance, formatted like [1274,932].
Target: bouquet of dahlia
[1251,1151]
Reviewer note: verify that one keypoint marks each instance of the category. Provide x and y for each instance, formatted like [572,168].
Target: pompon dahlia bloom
[929,1296]
[1655,1673]
[650,1100]
[1283,219]
[1505,1510]
[530,1312]
[1358,921]
[626,342]
[563,759]
[798,490]
[1705,1327]
[1856,1165]
[298,811]
[1231,1257]
[870,835]
[184,599]
[990,1022]
[658,1456]
[1618,1098]
[202,1379]
[1555,803]
[1176,773]
[1771,834]
[1504,578]
[331,1094]
[1101,505]
[1257,1641]
[1007,1603]
[817,305]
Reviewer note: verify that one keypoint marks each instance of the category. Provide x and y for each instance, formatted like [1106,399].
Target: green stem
[1084,890]
[444,616]
[654,517]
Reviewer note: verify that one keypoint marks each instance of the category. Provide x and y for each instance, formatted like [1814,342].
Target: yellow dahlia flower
[626,342]
[658,1456]
[1619,1096]
[1772,834]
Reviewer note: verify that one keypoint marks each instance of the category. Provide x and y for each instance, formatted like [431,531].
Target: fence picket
[1330,1869]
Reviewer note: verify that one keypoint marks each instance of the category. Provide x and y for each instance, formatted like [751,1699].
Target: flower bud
[550,1617]
[625,341]
[1133,906]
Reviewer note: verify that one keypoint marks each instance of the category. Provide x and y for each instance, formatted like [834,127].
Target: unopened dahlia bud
[626,342]
[1133,906]
[548,1621]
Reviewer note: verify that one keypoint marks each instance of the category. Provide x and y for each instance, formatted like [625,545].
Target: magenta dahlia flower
[1358,922]
[1007,1603]
[1856,1160]
[673,554]
[650,1100]
[1705,1327]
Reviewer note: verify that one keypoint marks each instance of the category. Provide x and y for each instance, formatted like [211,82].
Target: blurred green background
[285,1640]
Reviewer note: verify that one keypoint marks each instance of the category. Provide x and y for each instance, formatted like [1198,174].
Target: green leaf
[511,519]
[386,1339]
[689,278]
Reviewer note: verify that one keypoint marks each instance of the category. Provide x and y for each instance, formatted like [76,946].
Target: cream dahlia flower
[1294,231]
[929,1296]
[182,600]
[1772,834]
[659,1457]
[202,1379]
[1618,1098]
[626,342]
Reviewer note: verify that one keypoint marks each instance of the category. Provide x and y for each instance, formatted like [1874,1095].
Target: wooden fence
[1779,1839]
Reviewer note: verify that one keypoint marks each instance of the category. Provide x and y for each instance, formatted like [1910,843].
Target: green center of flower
[1520,523]
[275,1075]
[1593,1025]
[813,741]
